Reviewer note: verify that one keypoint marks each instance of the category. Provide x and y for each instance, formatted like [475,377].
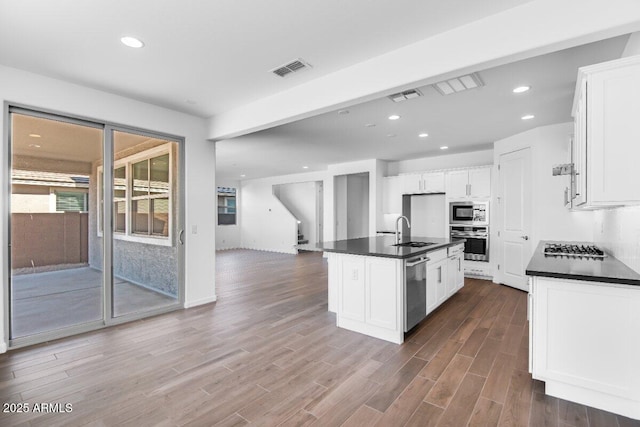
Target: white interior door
[514,205]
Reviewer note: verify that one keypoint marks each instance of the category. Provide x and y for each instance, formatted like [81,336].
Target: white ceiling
[465,121]
[206,58]
[215,53]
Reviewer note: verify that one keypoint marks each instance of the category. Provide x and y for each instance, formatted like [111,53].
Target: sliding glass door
[146,233]
[95,225]
[53,284]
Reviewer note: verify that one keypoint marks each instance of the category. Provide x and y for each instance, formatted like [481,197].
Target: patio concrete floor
[57,299]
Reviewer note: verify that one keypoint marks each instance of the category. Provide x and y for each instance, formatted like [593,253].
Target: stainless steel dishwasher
[415,291]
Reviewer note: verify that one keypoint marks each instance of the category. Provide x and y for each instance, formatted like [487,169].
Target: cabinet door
[457,184]
[381,295]
[459,272]
[392,195]
[433,182]
[480,182]
[452,268]
[613,135]
[351,292]
[436,284]
[579,150]
[412,183]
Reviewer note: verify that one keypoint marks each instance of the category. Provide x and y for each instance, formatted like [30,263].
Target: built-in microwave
[469,213]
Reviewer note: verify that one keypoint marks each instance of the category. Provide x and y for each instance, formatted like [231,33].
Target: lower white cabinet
[455,274]
[585,342]
[436,279]
[369,295]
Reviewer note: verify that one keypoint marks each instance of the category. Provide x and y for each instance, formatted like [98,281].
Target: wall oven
[469,213]
[476,247]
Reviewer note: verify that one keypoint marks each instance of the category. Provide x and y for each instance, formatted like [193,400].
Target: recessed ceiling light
[242,175]
[370,125]
[305,167]
[391,135]
[527,117]
[132,42]
[343,112]
[444,147]
[34,135]
[423,135]
[521,89]
[34,145]
[394,117]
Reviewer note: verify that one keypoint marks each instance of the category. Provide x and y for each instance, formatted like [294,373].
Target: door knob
[525,237]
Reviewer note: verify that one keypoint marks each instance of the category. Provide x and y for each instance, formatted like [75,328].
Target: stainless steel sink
[414,244]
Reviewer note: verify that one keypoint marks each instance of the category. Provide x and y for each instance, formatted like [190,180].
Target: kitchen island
[584,329]
[382,290]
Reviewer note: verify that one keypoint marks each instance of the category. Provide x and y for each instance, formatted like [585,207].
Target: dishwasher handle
[419,261]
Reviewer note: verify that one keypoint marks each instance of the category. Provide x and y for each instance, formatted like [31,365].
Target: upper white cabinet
[469,183]
[392,195]
[605,151]
[418,183]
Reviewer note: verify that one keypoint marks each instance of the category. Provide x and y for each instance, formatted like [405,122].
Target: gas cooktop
[573,250]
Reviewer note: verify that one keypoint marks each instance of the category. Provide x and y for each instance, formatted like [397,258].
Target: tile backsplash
[618,232]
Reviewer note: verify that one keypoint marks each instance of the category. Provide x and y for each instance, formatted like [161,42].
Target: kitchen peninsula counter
[583,326]
[605,270]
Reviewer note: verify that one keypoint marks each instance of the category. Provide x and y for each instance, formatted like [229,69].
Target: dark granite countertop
[607,270]
[382,246]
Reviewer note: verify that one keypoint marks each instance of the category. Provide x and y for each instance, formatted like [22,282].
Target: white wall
[46,93]
[447,161]
[300,199]
[618,230]
[228,236]
[265,221]
[357,206]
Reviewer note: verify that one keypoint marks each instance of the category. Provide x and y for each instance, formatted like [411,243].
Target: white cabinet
[370,295]
[584,342]
[467,183]
[392,195]
[436,279]
[455,269]
[428,182]
[606,110]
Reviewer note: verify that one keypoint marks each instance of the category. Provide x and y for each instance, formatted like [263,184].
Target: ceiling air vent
[403,96]
[291,67]
[459,84]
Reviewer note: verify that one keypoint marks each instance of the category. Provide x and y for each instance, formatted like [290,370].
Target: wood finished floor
[268,353]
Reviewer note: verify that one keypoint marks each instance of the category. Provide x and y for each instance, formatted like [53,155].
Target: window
[67,201]
[226,206]
[150,200]
[141,195]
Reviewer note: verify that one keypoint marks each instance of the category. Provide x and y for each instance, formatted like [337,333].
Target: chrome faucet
[398,231]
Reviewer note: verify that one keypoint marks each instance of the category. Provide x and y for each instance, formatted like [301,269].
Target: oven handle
[475,236]
[419,261]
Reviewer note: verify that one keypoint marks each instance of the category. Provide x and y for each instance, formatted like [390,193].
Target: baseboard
[190,304]
[3,347]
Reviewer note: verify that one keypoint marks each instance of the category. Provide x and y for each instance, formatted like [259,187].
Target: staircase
[301,239]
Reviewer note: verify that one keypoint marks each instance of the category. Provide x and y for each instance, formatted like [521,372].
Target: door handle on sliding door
[180,237]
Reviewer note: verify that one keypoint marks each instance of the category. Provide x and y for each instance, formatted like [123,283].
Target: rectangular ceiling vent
[459,84]
[291,67]
[403,96]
